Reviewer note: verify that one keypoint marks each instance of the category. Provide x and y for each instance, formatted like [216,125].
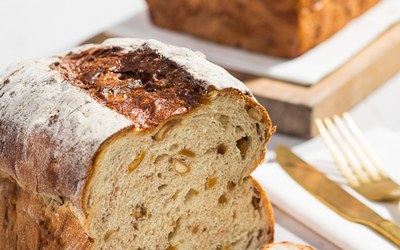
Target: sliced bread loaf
[130,144]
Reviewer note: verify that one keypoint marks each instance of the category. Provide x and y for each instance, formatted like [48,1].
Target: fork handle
[388,229]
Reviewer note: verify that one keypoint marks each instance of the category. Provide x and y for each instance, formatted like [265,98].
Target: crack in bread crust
[142,85]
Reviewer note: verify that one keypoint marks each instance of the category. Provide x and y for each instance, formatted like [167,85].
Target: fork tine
[365,163]
[340,160]
[352,162]
[361,140]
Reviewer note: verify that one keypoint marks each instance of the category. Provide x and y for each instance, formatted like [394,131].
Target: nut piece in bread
[141,144]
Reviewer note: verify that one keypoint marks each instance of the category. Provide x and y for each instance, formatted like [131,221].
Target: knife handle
[388,229]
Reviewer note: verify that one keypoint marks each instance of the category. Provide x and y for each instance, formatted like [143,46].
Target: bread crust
[30,221]
[285,28]
[51,130]
[142,85]
[270,212]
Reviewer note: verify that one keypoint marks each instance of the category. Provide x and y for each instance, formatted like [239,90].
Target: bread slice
[140,145]
[286,246]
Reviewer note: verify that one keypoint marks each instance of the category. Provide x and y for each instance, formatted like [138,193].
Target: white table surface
[44,27]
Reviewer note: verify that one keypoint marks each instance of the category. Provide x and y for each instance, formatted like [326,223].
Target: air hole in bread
[222,199]
[259,132]
[211,182]
[221,149]
[188,153]
[243,145]
[255,201]
[224,120]
[160,158]
[161,187]
[176,228]
[231,185]
[176,194]
[239,129]
[260,234]
[190,195]
[249,243]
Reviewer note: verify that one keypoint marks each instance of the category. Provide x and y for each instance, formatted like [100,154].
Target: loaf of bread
[130,144]
[285,28]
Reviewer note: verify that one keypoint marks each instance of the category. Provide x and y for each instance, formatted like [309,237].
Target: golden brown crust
[284,28]
[31,222]
[141,85]
[270,212]
[270,129]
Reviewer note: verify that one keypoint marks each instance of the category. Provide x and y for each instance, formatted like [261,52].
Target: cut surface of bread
[140,145]
[186,187]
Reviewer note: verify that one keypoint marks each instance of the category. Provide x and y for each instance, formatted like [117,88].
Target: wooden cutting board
[293,108]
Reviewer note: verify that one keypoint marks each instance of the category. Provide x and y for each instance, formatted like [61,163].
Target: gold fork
[356,160]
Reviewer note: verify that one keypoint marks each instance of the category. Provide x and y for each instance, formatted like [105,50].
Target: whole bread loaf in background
[285,28]
[130,144]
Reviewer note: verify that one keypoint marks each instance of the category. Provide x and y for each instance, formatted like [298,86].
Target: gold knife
[333,196]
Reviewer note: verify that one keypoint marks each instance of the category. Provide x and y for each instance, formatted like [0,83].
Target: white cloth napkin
[286,194]
[307,69]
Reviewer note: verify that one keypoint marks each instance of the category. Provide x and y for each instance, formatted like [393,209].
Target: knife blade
[334,196]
